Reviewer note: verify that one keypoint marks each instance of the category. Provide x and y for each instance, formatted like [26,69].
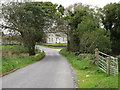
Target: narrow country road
[51,72]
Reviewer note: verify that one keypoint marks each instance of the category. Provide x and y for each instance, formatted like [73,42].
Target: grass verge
[15,57]
[53,47]
[88,74]
[57,44]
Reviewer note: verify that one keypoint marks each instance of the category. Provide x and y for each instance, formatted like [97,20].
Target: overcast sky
[66,3]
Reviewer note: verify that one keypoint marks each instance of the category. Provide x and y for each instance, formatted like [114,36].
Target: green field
[52,47]
[15,57]
[56,44]
[88,74]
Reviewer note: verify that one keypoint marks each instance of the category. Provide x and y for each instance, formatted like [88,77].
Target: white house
[56,38]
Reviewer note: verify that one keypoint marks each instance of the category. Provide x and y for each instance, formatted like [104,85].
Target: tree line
[90,28]
[87,28]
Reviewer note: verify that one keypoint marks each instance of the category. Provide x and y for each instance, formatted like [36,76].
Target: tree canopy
[82,24]
[111,21]
[27,19]
[85,32]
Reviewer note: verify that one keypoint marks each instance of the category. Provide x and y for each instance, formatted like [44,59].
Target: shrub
[95,39]
[15,49]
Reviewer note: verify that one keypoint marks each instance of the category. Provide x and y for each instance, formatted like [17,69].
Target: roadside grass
[15,57]
[56,44]
[52,47]
[14,48]
[87,73]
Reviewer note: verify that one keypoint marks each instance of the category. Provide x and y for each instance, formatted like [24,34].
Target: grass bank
[88,74]
[15,57]
[54,45]
[57,44]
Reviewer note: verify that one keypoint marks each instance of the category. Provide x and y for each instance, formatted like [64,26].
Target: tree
[27,19]
[111,21]
[55,13]
[76,14]
[50,10]
[92,36]
[85,32]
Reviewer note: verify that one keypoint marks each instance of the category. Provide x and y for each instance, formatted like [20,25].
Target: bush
[14,49]
[95,39]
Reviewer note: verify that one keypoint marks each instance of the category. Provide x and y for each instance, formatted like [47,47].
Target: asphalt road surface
[51,72]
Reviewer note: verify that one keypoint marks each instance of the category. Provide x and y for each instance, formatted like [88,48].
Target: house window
[56,40]
[49,39]
[52,39]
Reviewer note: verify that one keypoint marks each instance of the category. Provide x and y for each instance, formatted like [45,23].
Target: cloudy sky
[66,3]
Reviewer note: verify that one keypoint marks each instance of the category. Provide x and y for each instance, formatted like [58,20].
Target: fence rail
[106,63]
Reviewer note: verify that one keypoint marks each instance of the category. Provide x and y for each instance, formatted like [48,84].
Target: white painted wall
[56,38]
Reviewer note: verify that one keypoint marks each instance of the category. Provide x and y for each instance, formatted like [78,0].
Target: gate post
[96,56]
[108,65]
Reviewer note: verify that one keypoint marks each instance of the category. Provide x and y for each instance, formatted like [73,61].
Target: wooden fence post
[117,61]
[96,56]
[108,65]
